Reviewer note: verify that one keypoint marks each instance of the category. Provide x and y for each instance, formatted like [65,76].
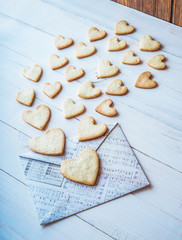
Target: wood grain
[167,10]
[177,12]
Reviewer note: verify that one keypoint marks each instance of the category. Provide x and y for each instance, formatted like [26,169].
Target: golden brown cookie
[73,74]
[115,88]
[157,62]
[87,129]
[144,81]
[62,42]
[34,73]
[39,118]
[87,90]
[53,143]
[94,34]
[148,44]
[105,108]
[114,44]
[84,170]
[51,90]
[27,97]
[122,27]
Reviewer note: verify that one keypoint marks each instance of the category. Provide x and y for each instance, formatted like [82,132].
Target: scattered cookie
[157,62]
[33,73]
[122,28]
[94,34]
[87,129]
[39,118]
[105,108]
[72,73]
[130,58]
[105,69]
[84,170]
[114,44]
[115,88]
[144,81]
[62,42]
[51,90]
[148,44]
[27,97]
[57,62]
[88,91]
[70,109]
[82,50]
[53,143]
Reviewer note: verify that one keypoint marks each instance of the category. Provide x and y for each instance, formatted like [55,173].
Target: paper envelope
[56,197]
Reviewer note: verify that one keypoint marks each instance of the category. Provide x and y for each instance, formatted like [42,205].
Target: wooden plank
[177,12]
[160,8]
[18,217]
[164,193]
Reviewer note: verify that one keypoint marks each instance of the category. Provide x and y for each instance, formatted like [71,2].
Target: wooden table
[151,119]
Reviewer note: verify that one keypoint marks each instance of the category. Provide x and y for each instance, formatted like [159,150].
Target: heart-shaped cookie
[105,108]
[88,91]
[70,109]
[51,144]
[115,88]
[26,97]
[148,44]
[82,50]
[71,73]
[32,73]
[57,62]
[84,170]
[115,44]
[94,34]
[122,28]
[105,69]
[87,129]
[144,81]
[39,118]
[157,62]
[62,42]
[130,58]
[51,90]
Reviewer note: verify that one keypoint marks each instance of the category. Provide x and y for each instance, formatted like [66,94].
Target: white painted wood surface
[151,119]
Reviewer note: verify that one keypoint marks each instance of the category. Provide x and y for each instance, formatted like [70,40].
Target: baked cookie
[34,73]
[53,143]
[88,91]
[84,170]
[57,62]
[144,81]
[114,44]
[62,42]
[122,28]
[71,73]
[105,108]
[51,90]
[157,62]
[148,44]
[130,58]
[94,34]
[105,69]
[27,97]
[87,129]
[39,118]
[115,88]
[82,50]
[70,109]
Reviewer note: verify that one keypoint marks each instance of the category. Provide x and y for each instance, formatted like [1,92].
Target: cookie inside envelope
[56,197]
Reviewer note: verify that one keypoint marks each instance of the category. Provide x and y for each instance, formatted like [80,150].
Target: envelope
[56,197]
